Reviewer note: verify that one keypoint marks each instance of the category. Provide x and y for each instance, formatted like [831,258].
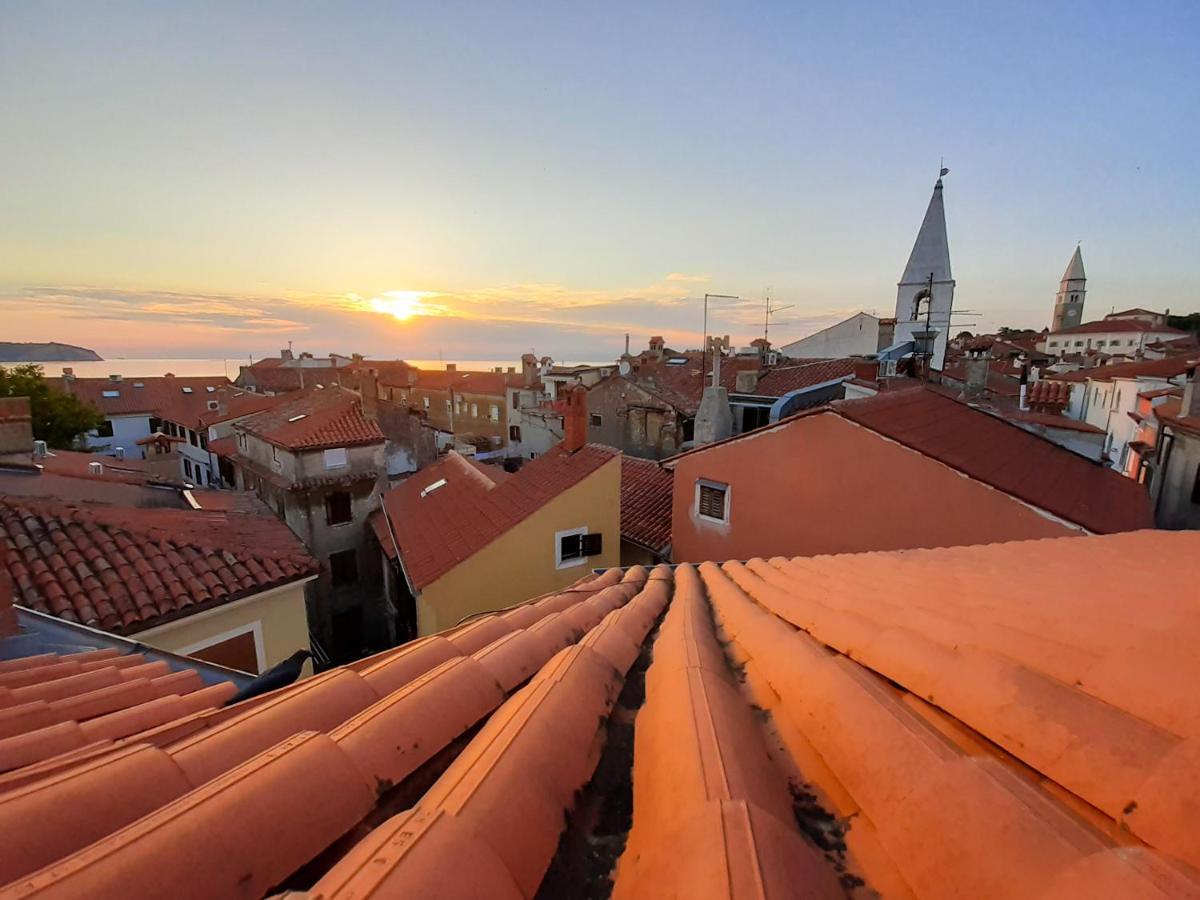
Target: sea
[134,368]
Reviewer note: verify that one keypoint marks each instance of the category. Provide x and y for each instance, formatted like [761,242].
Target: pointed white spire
[1075,267]
[931,252]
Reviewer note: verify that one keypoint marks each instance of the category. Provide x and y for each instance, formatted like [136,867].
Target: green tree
[58,418]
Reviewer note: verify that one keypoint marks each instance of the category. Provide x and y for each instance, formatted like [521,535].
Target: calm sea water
[229,367]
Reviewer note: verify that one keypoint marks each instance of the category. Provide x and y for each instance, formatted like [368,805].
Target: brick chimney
[8,615]
[16,428]
[657,345]
[451,367]
[368,386]
[575,418]
[1191,391]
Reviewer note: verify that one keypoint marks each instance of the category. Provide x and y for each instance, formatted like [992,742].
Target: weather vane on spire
[942,170]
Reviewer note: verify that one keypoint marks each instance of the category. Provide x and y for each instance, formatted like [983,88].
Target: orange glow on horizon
[402,305]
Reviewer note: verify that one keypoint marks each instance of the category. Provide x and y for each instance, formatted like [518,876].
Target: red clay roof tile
[318,419]
[645,503]
[167,562]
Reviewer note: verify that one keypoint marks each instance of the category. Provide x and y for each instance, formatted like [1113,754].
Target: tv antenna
[770,311]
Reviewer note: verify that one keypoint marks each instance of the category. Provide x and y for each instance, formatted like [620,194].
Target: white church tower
[917,303]
[1068,303]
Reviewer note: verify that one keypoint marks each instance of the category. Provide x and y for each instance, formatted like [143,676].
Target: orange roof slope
[126,569]
[1170,367]
[796,728]
[328,417]
[1009,458]
[645,503]
[180,399]
[449,511]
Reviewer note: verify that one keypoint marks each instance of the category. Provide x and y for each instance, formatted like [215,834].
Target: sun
[400,305]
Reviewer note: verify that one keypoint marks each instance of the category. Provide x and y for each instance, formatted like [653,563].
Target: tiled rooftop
[126,569]
[1047,392]
[182,399]
[1005,456]
[1170,367]
[1114,326]
[320,418]
[783,379]
[645,503]
[438,525]
[762,729]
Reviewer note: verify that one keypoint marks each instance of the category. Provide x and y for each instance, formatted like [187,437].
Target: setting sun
[401,305]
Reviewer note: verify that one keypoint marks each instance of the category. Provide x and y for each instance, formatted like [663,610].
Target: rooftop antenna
[771,310]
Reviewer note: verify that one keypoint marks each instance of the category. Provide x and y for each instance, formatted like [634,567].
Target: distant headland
[48,352]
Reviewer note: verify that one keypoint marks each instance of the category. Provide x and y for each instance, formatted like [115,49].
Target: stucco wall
[1174,506]
[520,564]
[856,336]
[825,485]
[278,616]
[633,420]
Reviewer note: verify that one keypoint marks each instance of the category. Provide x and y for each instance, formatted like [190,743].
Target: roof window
[186,390]
[139,384]
[110,393]
[297,418]
[429,489]
[211,389]
[677,361]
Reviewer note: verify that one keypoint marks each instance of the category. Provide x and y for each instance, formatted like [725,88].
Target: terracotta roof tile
[1116,326]
[449,511]
[950,735]
[1007,457]
[1148,368]
[178,399]
[331,417]
[784,379]
[645,503]
[127,569]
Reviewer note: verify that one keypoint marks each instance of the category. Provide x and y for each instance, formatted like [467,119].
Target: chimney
[866,370]
[115,379]
[1024,384]
[977,363]
[16,427]
[286,354]
[627,343]
[451,367]
[1191,392]
[657,345]
[575,418]
[747,381]
[356,357]
[368,385]
[529,369]
[68,373]
[8,615]
[512,370]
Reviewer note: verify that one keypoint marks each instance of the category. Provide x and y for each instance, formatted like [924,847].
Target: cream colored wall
[280,615]
[520,563]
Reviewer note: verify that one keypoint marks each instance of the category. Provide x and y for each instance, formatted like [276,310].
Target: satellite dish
[624,368]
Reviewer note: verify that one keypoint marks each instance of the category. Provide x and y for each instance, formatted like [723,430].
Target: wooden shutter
[591,544]
[712,501]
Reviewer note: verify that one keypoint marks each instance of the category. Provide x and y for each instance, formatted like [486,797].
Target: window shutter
[712,501]
[570,546]
[591,544]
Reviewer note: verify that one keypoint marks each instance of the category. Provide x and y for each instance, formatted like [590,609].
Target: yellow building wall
[519,564]
[280,617]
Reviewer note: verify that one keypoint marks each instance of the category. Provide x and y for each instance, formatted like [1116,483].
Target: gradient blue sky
[218,178]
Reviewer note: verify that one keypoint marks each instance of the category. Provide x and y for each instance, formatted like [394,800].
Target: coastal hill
[48,352]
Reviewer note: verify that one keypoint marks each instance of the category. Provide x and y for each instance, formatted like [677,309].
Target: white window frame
[727,488]
[345,458]
[559,562]
[474,410]
[494,412]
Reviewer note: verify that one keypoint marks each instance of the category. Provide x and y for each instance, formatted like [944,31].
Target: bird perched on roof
[279,675]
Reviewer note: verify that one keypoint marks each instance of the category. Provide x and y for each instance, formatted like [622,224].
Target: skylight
[440,483]
[111,393]
[297,418]
[186,390]
[677,361]
[211,389]
[138,384]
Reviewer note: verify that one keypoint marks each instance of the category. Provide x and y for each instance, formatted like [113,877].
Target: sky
[479,180]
